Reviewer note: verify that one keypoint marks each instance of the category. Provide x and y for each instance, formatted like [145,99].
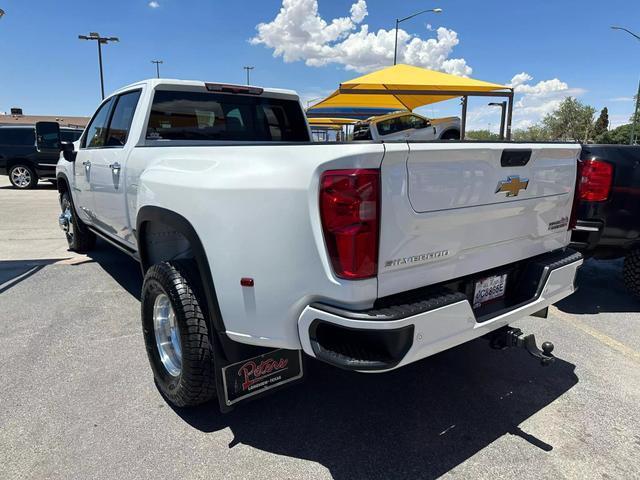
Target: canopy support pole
[463,123]
[510,115]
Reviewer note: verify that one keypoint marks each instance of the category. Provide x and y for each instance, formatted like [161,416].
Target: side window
[417,122]
[386,126]
[404,123]
[70,135]
[97,129]
[393,125]
[17,136]
[121,119]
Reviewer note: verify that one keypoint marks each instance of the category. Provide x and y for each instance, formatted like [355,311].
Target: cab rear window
[206,116]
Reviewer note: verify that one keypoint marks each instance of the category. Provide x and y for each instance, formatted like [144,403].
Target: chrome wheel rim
[21,177]
[66,218]
[165,327]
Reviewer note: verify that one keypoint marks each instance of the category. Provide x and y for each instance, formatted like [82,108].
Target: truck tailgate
[450,210]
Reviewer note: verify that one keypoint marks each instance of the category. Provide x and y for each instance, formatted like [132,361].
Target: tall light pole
[248,69]
[503,105]
[400,20]
[100,41]
[157,62]
[632,137]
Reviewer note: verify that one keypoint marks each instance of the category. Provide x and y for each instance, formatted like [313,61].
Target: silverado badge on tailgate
[512,185]
[255,375]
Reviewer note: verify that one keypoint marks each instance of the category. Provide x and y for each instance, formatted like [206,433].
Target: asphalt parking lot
[78,398]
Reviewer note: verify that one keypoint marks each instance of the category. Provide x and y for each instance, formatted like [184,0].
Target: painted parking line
[598,335]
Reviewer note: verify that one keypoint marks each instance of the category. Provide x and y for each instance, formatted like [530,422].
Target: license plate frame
[488,289]
[253,376]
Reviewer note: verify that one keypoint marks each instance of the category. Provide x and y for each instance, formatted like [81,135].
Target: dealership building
[16,117]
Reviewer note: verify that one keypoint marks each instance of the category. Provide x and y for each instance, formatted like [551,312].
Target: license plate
[489,288]
[255,375]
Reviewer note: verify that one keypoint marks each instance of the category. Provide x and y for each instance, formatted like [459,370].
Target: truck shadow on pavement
[417,422]
[600,289]
[122,268]
[12,272]
[40,186]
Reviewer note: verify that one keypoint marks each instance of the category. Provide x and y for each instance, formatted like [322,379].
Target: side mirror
[68,152]
[48,136]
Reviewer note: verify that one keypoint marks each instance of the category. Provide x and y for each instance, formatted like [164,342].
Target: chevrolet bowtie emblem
[512,185]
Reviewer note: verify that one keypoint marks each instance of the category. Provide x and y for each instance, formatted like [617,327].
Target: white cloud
[359,11]
[532,102]
[154,4]
[622,99]
[299,33]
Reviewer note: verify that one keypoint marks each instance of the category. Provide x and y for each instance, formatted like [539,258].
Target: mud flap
[253,377]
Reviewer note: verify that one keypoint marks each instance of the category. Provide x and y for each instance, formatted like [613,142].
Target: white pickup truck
[257,244]
[407,126]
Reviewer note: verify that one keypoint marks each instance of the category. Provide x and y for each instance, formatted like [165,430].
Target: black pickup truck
[22,161]
[608,213]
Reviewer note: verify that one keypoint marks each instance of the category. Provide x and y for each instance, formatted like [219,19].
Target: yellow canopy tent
[324,124]
[405,87]
[331,121]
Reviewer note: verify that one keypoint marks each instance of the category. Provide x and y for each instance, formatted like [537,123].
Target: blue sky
[566,45]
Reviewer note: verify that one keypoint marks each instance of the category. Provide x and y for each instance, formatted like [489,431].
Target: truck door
[421,128]
[107,166]
[92,141]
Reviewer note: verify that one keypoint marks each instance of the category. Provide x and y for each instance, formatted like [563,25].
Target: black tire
[450,135]
[631,272]
[22,176]
[194,384]
[79,238]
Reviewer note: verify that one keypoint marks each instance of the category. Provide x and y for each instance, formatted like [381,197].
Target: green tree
[481,135]
[572,120]
[533,133]
[618,135]
[602,123]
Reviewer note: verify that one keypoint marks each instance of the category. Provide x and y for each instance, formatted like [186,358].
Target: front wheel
[631,272]
[176,335]
[23,177]
[450,135]
[79,238]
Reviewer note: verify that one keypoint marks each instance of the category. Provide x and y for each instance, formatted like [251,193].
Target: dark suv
[22,161]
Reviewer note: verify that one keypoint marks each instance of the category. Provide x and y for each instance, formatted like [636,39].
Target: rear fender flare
[148,214]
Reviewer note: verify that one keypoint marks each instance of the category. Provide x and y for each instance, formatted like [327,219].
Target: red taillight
[349,209]
[595,180]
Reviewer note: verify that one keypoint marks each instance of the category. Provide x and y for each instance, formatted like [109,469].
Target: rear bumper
[594,239]
[388,338]
[586,235]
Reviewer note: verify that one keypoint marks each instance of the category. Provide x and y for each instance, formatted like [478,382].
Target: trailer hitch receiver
[514,337]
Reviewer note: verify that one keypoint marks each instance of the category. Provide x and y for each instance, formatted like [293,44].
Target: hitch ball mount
[507,337]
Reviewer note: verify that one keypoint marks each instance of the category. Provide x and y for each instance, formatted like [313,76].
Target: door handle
[114,166]
[86,163]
